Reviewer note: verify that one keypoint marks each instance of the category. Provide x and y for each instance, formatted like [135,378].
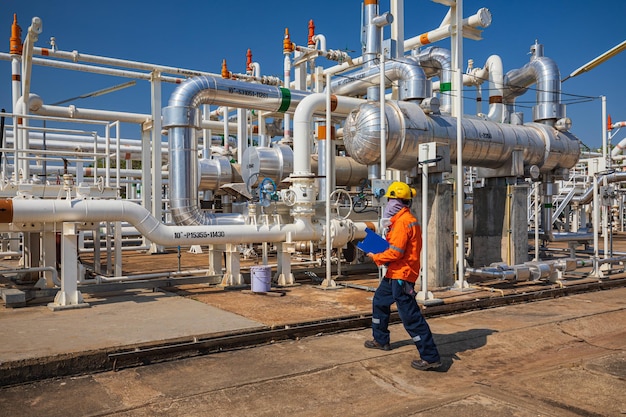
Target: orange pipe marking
[424,39]
[322,135]
[6,211]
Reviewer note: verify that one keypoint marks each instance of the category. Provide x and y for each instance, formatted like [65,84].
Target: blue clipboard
[372,243]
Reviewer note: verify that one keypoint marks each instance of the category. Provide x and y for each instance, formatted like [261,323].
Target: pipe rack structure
[319,146]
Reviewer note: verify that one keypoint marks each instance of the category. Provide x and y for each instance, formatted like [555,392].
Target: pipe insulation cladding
[25,214]
[182,119]
[486,144]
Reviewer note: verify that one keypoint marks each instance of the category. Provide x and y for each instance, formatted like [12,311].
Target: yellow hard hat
[400,190]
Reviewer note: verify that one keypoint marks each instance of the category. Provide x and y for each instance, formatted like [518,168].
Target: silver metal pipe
[370,37]
[276,162]
[215,172]
[487,144]
[20,214]
[182,118]
[412,83]
[545,73]
[566,236]
[437,61]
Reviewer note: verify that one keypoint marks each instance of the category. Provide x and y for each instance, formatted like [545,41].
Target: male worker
[403,267]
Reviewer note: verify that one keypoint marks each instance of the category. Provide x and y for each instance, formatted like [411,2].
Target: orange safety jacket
[405,244]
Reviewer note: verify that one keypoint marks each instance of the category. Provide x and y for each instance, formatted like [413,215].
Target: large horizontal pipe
[26,214]
[486,144]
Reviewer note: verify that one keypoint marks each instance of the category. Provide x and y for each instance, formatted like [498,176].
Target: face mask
[394,205]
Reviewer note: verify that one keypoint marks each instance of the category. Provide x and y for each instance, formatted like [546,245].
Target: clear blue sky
[200,34]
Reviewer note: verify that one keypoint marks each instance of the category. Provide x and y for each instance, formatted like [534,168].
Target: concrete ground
[557,357]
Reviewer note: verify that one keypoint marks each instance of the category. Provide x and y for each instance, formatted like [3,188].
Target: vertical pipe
[536,222]
[605,221]
[371,45]
[596,224]
[458,88]
[328,175]
[118,248]
[146,177]
[425,225]
[286,84]
[117,154]
[604,130]
[397,27]
[242,133]
[16,92]
[107,160]
[383,118]
[227,132]
[155,174]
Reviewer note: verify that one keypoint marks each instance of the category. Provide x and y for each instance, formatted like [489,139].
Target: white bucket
[260,278]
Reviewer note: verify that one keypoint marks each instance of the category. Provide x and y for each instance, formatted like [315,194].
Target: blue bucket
[260,278]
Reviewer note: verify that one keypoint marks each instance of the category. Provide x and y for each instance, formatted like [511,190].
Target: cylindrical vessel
[485,144]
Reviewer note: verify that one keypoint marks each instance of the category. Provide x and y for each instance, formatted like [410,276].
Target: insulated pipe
[544,72]
[72,112]
[286,83]
[496,88]
[411,77]
[492,70]
[302,121]
[486,144]
[276,163]
[215,172]
[22,214]
[437,61]
[181,117]
[482,18]
[370,33]
[619,148]
[34,30]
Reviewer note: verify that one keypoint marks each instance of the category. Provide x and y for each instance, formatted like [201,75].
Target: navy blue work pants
[393,291]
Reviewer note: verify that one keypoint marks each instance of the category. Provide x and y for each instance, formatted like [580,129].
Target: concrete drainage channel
[28,370]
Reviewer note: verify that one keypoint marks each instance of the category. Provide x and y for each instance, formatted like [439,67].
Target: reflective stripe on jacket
[405,244]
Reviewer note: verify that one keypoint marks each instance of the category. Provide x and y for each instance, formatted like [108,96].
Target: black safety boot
[373,344]
[422,365]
